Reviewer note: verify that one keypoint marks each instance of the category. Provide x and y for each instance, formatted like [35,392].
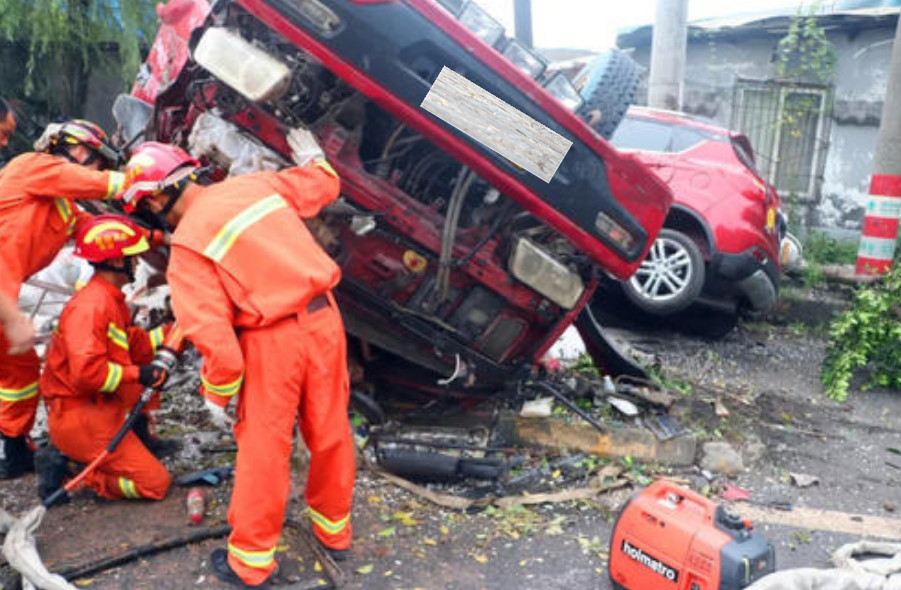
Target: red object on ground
[35,222]
[89,383]
[880,225]
[289,363]
[196,503]
[733,493]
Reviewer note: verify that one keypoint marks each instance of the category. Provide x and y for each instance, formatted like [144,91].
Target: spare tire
[608,86]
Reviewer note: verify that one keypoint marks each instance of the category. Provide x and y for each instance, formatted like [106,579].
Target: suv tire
[608,84]
[671,276]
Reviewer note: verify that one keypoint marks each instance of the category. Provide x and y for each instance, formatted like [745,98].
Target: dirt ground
[767,377]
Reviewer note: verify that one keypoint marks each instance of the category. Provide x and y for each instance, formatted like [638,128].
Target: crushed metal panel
[483,116]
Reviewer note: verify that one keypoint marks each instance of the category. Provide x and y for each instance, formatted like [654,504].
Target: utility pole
[522,21]
[668,48]
[880,223]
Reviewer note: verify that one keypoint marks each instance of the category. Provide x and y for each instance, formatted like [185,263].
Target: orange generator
[670,538]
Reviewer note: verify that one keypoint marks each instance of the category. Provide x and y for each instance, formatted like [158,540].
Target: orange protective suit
[89,383]
[251,289]
[37,217]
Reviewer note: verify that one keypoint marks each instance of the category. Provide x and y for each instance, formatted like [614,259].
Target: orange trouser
[296,368]
[81,430]
[19,376]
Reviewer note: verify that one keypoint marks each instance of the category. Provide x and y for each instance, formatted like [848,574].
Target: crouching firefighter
[37,217]
[251,289]
[97,365]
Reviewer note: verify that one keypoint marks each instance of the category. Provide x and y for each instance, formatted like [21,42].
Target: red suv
[720,242]
[454,259]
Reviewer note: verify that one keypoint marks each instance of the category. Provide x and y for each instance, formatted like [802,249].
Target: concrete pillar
[522,21]
[668,50]
[880,224]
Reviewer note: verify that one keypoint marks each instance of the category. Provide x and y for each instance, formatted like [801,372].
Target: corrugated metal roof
[844,14]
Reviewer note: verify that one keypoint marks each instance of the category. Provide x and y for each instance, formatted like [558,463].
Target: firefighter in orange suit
[37,217]
[252,290]
[97,365]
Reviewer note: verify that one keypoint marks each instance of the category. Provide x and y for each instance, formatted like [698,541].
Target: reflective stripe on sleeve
[332,527]
[115,183]
[225,239]
[19,395]
[225,390]
[156,338]
[326,166]
[255,559]
[113,378]
[117,336]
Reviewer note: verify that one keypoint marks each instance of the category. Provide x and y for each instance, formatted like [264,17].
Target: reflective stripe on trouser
[19,376]
[130,472]
[294,366]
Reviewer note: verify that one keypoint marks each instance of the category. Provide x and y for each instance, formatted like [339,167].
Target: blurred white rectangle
[483,116]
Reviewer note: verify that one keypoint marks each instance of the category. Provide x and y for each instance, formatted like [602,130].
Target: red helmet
[153,168]
[78,132]
[109,236]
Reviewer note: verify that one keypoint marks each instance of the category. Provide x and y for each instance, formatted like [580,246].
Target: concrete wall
[859,89]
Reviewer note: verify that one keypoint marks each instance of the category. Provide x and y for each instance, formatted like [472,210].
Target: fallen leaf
[317,567]
[374,499]
[480,558]
[430,542]
[444,530]
[405,518]
[282,548]
[365,569]
[388,573]
[388,532]
[85,582]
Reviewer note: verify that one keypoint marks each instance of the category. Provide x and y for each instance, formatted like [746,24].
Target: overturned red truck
[456,262]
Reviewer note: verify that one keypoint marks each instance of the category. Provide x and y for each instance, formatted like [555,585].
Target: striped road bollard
[880,225]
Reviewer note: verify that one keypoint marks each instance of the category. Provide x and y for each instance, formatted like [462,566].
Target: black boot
[159,447]
[16,456]
[52,468]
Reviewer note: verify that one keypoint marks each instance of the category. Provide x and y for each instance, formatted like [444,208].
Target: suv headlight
[243,66]
[524,59]
[539,270]
[482,24]
[564,91]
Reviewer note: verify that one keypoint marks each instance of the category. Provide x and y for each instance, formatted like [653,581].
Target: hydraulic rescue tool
[668,537]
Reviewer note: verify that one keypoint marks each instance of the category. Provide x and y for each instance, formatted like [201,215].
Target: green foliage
[805,54]
[62,41]
[823,249]
[868,334]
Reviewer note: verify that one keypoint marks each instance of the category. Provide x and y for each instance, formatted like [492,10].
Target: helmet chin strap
[127,269]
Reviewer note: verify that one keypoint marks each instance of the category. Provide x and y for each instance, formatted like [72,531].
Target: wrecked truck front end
[453,258]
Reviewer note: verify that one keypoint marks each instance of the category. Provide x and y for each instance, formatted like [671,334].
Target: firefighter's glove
[153,375]
[304,147]
[219,415]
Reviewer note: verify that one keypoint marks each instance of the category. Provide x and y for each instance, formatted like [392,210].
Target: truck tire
[671,276]
[608,85]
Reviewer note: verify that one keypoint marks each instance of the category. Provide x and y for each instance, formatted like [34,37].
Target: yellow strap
[332,527]
[118,336]
[255,559]
[113,378]
[19,395]
[226,390]
[225,239]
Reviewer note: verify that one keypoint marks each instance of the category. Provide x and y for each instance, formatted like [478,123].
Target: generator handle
[670,493]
